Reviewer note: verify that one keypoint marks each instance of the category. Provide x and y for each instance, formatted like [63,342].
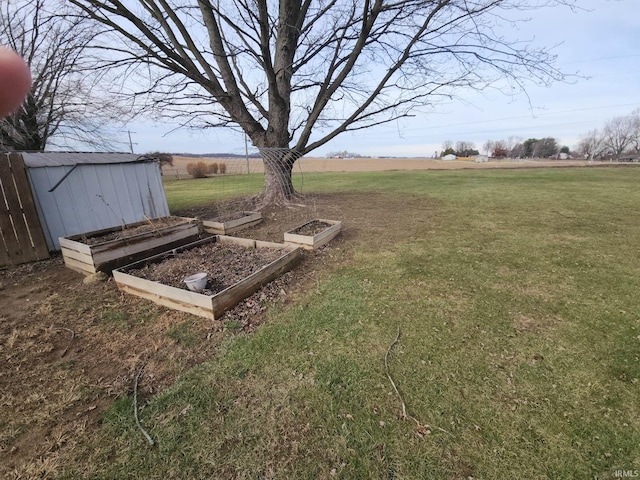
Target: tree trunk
[278,186]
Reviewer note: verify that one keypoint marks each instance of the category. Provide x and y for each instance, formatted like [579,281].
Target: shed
[450,156]
[82,192]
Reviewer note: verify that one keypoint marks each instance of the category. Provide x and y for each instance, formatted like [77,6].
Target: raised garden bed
[232,223]
[313,234]
[236,268]
[104,250]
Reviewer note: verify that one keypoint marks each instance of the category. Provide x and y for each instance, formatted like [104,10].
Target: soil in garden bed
[312,228]
[151,225]
[225,264]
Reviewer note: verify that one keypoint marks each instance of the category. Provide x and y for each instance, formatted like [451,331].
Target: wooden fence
[21,236]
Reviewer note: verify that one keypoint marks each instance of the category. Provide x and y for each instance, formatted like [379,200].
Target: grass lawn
[516,294]
[197,191]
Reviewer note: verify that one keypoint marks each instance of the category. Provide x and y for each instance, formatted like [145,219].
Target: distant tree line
[461,149]
[620,136]
[344,154]
[514,147]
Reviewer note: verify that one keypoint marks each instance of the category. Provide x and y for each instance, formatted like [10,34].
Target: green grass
[197,191]
[183,334]
[519,314]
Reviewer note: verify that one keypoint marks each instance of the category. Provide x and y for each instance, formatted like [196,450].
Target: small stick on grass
[73,335]
[422,429]
[393,384]
[135,408]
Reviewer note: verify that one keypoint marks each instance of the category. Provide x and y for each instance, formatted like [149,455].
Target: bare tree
[591,145]
[64,106]
[635,126]
[517,150]
[512,147]
[511,144]
[447,145]
[465,149]
[620,134]
[500,149]
[488,147]
[297,73]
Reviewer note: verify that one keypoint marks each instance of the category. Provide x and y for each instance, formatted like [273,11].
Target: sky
[601,44]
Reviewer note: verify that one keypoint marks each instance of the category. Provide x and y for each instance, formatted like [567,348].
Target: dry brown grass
[238,165]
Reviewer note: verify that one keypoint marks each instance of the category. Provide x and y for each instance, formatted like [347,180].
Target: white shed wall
[94,197]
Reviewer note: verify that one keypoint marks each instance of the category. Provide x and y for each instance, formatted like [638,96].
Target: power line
[502,119]
[600,59]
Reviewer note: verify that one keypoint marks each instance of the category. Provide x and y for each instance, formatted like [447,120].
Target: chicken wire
[238,187]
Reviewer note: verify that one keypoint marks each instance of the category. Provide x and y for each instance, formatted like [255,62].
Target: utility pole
[130,142]
[246,152]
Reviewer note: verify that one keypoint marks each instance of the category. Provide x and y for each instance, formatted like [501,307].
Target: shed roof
[58,159]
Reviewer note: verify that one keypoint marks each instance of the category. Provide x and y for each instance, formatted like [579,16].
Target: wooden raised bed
[87,254]
[309,241]
[207,306]
[220,226]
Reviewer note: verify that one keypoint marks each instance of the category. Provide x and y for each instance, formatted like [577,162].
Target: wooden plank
[36,241]
[80,256]
[9,248]
[22,236]
[4,255]
[13,228]
[5,224]
[105,231]
[69,244]
[243,226]
[311,242]
[222,228]
[121,261]
[305,241]
[79,266]
[179,295]
[115,253]
[245,242]
[261,244]
[252,217]
[326,235]
[103,253]
[102,231]
[161,296]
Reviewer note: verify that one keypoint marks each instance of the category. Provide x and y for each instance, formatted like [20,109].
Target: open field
[313,164]
[514,294]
